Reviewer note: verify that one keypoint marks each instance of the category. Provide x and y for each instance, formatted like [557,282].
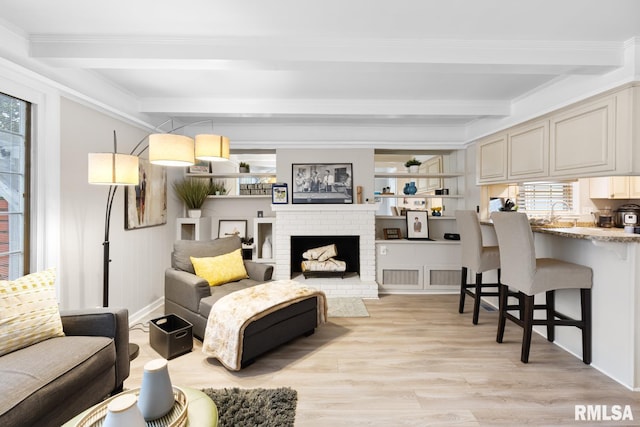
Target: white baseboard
[144,314]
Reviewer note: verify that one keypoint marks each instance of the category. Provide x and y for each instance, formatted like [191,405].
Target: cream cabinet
[614,187]
[583,139]
[492,159]
[528,151]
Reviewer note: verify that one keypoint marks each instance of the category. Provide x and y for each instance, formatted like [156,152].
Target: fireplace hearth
[348,250]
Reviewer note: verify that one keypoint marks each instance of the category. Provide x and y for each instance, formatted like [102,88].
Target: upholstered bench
[247,323]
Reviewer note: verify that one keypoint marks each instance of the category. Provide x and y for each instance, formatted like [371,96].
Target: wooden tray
[177,416]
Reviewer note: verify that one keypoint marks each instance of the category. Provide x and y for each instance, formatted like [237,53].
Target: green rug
[346,307]
[258,407]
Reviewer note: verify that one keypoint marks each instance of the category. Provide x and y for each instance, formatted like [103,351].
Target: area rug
[257,407]
[346,307]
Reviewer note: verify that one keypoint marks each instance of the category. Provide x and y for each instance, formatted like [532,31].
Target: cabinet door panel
[583,139]
[528,148]
[492,159]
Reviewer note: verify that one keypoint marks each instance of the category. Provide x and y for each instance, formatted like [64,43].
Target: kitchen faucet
[552,217]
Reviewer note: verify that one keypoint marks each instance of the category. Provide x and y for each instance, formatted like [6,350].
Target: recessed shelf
[233,175]
[416,175]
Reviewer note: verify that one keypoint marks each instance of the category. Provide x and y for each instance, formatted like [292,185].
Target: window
[540,198]
[14,187]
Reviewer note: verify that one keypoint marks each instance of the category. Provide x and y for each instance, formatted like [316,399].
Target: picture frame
[232,227]
[392,233]
[322,183]
[279,194]
[417,225]
[145,204]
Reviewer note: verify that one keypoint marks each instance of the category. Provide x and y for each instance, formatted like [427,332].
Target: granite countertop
[587,233]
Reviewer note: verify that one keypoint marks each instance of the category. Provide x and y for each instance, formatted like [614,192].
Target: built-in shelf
[418,196]
[233,175]
[241,196]
[416,175]
[396,217]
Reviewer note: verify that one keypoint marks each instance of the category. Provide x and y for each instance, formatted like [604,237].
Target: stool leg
[527,325]
[585,305]
[502,304]
[463,283]
[551,309]
[476,300]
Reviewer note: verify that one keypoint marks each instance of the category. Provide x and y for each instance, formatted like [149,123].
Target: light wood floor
[414,362]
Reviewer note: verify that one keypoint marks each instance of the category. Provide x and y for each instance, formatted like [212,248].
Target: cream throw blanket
[231,314]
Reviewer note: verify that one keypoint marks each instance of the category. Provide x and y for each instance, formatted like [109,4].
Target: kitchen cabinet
[583,139]
[614,187]
[491,160]
[528,151]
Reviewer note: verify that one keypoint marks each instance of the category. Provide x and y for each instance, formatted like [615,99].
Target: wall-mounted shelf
[236,196]
[418,196]
[403,218]
[233,175]
[416,175]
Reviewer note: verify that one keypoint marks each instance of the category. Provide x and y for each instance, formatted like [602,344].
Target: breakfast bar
[614,257]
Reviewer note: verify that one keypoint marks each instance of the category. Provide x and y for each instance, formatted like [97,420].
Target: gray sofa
[191,298]
[48,383]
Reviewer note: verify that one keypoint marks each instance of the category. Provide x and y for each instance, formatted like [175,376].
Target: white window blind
[539,197]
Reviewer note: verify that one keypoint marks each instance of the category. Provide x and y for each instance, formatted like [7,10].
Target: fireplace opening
[347,251]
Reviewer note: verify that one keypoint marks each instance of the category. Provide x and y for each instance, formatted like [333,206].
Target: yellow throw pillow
[221,269]
[28,311]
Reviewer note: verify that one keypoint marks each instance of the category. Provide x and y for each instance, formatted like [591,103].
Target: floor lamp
[114,169]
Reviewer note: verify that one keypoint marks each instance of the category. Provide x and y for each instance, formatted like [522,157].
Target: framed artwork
[232,227]
[417,225]
[145,204]
[279,194]
[392,233]
[329,183]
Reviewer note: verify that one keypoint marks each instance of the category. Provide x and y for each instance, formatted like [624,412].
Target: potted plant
[193,192]
[244,167]
[217,188]
[413,165]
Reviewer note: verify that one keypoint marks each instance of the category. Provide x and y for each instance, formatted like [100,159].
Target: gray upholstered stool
[476,257]
[530,276]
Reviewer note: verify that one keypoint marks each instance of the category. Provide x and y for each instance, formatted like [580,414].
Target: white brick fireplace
[328,220]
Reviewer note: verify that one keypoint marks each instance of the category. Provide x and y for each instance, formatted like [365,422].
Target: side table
[201,410]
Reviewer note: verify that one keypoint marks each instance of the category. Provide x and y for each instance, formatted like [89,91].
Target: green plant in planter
[413,162]
[192,191]
[217,187]
[244,167]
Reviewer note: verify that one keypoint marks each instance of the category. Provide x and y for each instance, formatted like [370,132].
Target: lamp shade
[171,150]
[212,148]
[113,169]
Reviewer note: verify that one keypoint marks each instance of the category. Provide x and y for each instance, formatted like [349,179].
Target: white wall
[139,257]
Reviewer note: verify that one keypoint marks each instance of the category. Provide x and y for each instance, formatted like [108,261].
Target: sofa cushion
[221,269]
[29,311]
[183,250]
[222,290]
[40,377]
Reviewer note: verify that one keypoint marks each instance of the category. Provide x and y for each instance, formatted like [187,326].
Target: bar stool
[476,257]
[530,276]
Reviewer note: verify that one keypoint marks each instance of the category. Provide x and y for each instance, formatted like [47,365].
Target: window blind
[539,197]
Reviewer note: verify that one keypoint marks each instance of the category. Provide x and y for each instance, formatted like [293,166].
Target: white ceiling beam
[329,107]
[275,53]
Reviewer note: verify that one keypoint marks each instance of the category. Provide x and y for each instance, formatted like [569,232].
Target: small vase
[194,213]
[156,393]
[266,248]
[406,189]
[123,411]
[412,188]
[414,168]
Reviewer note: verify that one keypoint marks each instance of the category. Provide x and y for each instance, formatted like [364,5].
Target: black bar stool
[521,270]
[476,257]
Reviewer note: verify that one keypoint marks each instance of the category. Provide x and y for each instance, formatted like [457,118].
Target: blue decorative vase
[412,188]
[406,189]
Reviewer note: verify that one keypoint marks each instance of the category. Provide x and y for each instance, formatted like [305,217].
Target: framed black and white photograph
[417,225]
[329,183]
[279,194]
[232,227]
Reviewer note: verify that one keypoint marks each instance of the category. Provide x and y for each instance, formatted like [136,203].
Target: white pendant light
[113,169]
[171,150]
[212,148]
